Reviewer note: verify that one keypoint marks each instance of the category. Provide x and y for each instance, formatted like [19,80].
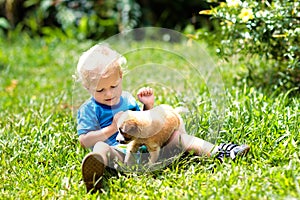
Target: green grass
[41,156]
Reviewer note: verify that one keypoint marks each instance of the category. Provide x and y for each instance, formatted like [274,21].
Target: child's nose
[109,92]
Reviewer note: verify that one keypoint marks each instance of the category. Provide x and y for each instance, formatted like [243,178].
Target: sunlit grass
[41,157]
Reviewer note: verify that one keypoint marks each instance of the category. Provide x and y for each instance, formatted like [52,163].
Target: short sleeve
[87,119]
[131,102]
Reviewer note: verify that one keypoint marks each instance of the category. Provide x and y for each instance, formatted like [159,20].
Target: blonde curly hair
[99,61]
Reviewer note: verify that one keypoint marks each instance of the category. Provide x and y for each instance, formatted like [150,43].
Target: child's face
[109,89]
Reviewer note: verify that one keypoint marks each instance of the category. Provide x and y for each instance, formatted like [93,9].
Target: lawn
[41,156]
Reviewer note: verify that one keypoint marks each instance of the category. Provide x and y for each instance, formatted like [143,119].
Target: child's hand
[115,120]
[146,96]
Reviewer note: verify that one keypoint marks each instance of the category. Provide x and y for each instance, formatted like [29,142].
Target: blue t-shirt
[93,116]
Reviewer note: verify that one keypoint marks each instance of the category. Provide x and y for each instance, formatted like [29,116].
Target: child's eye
[101,90]
[114,86]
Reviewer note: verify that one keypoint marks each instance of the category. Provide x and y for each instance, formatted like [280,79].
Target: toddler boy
[100,72]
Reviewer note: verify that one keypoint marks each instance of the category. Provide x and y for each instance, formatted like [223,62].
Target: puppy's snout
[120,138]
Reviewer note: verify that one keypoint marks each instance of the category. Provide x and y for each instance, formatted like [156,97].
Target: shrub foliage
[80,19]
[265,28]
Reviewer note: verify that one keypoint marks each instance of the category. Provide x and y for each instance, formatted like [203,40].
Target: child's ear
[121,74]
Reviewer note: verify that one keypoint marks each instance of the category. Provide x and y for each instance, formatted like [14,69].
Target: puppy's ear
[131,128]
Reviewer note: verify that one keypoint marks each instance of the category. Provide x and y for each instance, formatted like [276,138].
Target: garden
[235,67]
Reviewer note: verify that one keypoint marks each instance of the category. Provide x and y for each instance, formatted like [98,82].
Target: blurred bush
[89,19]
[80,19]
[267,29]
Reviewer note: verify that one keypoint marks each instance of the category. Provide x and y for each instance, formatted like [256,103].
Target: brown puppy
[151,128]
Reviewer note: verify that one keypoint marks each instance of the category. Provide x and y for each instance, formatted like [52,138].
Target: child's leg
[189,143]
[94,163]
[109,154]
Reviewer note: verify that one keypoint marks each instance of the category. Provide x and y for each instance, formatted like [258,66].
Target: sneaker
[92,171]
[231,150]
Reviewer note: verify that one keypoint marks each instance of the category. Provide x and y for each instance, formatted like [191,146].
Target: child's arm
[91,138]
[146,96]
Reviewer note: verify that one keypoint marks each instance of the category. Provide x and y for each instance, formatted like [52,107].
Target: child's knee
[101,148]
[174,136]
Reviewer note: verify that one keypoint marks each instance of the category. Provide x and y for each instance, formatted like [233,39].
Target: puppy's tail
[182,110]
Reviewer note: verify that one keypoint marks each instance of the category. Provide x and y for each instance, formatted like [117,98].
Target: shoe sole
[245,151]
[92,171]
[242,153]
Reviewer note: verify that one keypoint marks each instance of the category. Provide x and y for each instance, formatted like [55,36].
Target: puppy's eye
[127,137]
[122,132]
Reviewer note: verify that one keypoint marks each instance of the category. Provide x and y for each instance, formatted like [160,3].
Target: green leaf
[4,23]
